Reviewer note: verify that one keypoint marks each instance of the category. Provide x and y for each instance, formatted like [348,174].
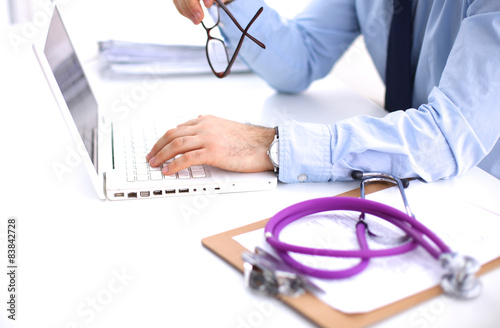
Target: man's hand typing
[214,141]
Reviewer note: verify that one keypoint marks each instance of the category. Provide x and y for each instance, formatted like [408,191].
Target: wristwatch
[273,152]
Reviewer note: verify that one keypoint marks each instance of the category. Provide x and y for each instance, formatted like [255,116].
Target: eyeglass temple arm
[223,6]
[237,50]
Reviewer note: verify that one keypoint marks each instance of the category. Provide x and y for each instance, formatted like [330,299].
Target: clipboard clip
[265,273]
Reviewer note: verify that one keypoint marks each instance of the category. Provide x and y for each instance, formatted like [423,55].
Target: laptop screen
[73,84]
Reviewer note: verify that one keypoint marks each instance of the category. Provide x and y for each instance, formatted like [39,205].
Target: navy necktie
[398,74]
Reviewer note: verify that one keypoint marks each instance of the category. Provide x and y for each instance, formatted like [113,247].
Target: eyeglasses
[217,54]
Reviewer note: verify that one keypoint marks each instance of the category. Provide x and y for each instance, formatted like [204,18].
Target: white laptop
[115,157]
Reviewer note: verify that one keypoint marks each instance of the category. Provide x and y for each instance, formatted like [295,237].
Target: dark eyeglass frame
[244,31]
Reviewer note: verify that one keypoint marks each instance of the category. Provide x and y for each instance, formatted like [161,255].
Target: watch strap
[276,137]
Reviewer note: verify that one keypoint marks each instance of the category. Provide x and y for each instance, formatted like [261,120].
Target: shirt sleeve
[451,133]
[442,138]
[298,51]
[404,144]
[470,87]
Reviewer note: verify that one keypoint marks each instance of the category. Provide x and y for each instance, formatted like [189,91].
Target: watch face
[274,153]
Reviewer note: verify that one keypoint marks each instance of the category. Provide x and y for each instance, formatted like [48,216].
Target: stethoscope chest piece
[461,281]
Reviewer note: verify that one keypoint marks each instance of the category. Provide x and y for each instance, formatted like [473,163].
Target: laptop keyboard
[138,169]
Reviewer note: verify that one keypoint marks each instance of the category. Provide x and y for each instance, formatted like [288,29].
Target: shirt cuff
[304,152]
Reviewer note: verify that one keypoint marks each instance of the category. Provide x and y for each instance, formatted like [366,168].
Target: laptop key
[198,171]
[142,177]
[156,175]
[184,174]
[198,174]
[141,166]
[170,176]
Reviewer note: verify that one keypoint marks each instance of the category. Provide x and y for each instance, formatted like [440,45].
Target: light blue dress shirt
[455,121]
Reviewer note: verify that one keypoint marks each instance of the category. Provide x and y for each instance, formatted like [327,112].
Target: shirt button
[302,178]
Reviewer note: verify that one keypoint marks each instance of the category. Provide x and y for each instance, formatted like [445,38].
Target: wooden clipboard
[308,305]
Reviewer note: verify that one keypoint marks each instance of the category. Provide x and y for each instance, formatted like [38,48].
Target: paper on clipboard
[467,227]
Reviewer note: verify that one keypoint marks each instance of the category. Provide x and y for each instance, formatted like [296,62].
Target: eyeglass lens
[216,49]
[217,54]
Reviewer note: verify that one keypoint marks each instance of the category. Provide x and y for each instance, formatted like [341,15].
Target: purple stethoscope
[285,275]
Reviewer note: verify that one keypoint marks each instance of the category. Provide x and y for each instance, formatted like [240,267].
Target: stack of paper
[130,58]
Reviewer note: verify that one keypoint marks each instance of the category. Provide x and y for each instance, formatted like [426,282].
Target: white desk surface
[90,263]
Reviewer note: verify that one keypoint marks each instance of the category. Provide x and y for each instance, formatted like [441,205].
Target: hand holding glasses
[217,55]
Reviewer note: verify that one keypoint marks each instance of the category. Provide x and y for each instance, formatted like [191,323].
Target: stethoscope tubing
[420,234]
